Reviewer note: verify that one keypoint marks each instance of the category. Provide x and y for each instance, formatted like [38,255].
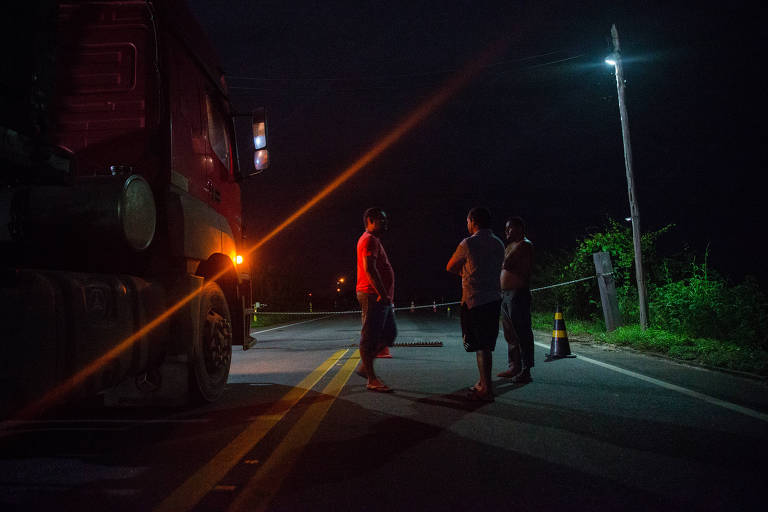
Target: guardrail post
[605,281]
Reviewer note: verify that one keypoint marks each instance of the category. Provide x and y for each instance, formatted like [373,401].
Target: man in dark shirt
[375,292]
[516,302]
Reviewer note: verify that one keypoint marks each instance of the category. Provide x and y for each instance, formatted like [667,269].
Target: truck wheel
[212,350]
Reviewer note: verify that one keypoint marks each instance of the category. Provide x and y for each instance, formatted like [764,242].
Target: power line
[263,88]
[397,76]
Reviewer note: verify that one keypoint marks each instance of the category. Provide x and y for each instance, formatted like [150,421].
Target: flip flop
[379,388]
[474,396]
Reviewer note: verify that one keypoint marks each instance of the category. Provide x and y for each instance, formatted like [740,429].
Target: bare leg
[484,363]
[366,360]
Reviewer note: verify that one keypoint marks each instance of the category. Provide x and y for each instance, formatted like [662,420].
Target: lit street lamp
[339,286]
[615,61]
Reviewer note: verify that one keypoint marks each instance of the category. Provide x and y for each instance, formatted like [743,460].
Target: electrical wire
[310,81]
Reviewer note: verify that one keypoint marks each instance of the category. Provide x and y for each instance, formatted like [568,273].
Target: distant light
[627,219]
[238,259]
[610,61]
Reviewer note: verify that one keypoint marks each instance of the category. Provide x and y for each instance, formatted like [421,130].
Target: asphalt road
[296,430]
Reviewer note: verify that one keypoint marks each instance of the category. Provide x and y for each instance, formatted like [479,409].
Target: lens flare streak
[421,112]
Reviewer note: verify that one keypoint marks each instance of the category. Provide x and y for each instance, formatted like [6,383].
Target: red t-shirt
[369,245]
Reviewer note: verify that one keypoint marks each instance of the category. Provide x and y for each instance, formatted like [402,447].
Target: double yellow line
[260,489]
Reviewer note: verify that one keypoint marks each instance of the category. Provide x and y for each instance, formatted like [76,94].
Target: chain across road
[409,308]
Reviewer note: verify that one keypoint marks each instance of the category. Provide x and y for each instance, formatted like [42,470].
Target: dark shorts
[480,326]
[379,328]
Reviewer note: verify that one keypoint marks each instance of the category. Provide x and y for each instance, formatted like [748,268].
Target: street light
[339,294]
[615,61]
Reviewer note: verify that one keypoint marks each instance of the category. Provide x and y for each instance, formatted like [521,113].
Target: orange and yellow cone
[560,346]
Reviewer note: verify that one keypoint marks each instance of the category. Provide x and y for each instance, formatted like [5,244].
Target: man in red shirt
[375,292]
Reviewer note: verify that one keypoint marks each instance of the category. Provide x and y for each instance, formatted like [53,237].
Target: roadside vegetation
[259,321]
[695,314]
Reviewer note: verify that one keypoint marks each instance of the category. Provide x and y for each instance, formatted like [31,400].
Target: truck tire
[212,350]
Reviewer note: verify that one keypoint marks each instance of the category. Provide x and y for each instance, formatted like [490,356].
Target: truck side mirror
[260,151]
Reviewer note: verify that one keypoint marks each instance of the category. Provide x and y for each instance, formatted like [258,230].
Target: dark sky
[535,133]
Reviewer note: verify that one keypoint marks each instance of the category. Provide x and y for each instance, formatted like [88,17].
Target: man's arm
[456,263]
[526,257]
[369,265]
[519,259]
[517,266]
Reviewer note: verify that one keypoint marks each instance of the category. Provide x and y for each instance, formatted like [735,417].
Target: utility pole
[634,210]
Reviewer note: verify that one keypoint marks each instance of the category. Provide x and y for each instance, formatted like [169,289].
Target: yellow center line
[263,486]
[199,484]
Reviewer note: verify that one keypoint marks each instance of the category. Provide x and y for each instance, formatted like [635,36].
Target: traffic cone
[560,346]
[384,354]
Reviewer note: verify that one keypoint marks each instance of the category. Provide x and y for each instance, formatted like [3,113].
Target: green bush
[582,300]
[685,298]
[702,304]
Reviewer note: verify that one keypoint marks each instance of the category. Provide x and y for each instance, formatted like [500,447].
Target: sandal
[379,388]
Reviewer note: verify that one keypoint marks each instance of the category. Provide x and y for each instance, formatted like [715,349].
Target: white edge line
[695,394]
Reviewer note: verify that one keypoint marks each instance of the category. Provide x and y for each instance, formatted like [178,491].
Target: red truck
[121,230]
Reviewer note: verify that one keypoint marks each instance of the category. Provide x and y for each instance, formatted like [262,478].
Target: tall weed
[703,304]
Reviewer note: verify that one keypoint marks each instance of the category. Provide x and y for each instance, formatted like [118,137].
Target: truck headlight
[137,212]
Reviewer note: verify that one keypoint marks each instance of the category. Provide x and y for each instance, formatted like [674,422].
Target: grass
[258,321]
[704,351]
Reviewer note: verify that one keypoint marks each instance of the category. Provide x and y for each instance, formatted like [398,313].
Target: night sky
[535,133]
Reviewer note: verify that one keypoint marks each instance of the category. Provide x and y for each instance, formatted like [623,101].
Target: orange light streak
[72,382]
[422,111]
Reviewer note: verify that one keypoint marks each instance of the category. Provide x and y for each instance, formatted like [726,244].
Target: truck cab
[125,268]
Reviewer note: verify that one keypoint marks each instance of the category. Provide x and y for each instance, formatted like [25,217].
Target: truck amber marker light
[451,87]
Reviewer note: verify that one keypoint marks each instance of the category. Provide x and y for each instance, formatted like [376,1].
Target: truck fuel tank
[110,209]
[60,325]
